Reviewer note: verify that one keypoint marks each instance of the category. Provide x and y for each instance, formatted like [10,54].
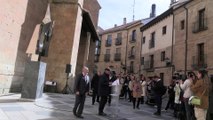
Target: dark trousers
[142,99]
[158,101]
[170,103]
[130,95]
[102,103]
[134,101]
[95,96]
[79,104]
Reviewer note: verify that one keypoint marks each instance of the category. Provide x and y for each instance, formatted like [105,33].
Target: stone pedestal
[34,77]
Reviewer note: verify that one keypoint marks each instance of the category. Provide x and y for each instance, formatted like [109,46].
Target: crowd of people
[142,89]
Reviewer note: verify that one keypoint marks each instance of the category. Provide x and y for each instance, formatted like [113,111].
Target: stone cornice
[64,1]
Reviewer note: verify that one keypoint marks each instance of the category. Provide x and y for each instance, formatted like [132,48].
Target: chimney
[124,21]
[153,11]
[172,2]
[115,25]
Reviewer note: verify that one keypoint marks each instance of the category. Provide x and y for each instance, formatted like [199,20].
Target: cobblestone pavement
[59,107]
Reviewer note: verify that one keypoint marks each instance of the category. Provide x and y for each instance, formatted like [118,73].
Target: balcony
[107,57]
[117,57]
[199,26]
[130,69]
[132,38]
[199,62]
[118,41]
[131,55]
[148,66]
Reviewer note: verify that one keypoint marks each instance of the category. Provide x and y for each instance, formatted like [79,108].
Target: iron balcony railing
[200,25]
[118,41]
[199,62]
[132,38]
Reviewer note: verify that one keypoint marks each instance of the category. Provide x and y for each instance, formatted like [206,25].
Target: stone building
[73,38]
[193,23]
[120,46]
[157,43]
[115,46]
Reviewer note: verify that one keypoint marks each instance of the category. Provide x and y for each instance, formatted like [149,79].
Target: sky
[113,11]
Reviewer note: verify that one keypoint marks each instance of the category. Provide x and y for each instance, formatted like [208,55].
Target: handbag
[195,100]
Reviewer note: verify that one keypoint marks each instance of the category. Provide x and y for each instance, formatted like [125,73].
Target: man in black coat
[158,91]
[103,90]
[94,86]
[81,89]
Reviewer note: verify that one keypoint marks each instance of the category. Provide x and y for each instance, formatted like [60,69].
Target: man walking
[103,90]
[81,89]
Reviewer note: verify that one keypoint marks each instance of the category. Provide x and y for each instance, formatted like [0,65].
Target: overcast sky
[113,11]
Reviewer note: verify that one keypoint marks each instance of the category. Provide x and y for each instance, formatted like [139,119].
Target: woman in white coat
[143,87]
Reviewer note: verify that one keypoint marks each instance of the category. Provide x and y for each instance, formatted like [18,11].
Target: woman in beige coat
[136,90]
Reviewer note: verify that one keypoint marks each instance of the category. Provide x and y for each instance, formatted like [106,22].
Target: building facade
[156,50]
[114,46]
[72,39]
[193,36]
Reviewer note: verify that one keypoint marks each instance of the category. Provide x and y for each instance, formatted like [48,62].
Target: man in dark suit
[94,86]
[103,90]
[81,89]
[158,91]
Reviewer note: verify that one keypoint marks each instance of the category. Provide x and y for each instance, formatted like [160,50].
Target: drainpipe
[172,56]
[125,62]
[186,44]
[141,52]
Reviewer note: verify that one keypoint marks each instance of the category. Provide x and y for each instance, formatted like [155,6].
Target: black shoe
[102,114]
[92,103]
[138,108]
[80,116]
[157,113]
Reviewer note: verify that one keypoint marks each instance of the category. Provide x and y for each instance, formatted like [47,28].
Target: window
[133,37]
[201,19]
[144,40]
[109,40]
[163,55]
[132,50]
[164,30]
[162,77]
[182,24]
[151,61]
[118,50]
[142,61]
[201,54]
[118,39]
[131,67]
[152,41]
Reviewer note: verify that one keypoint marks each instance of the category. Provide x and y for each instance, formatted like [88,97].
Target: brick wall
[17,23]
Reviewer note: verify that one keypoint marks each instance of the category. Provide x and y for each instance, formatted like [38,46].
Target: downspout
[141,53]
[125,62]
[172,51]
[186,40]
